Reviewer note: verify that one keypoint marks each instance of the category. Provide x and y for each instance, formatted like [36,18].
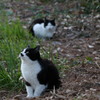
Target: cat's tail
[55,84]
[30,28]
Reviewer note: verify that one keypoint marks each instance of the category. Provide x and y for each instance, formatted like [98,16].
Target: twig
[59,96]
[54,91]
[97,64]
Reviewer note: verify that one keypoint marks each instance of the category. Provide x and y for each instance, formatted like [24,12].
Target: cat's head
[30,54]
[49,24]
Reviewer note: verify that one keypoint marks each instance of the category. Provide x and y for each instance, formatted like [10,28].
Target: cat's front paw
[21,78]
[30,96]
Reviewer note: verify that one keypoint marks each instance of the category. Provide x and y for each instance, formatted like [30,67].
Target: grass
[86,6]
[46,1]
[90,6]
[13,38]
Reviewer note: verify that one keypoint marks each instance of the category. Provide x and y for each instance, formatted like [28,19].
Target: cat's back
[38,26]
[49,68]
[47,63]
[51,74]
[37,22]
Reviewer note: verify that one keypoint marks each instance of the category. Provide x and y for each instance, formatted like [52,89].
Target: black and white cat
[39,74]
[43,28]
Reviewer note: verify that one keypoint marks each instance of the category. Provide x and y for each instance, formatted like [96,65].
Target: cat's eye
[27,52]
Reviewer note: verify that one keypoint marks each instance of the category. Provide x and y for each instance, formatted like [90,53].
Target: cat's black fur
[48,74]
[46,21]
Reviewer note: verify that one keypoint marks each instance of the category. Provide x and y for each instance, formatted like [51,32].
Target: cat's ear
[37,48]
[53,20]
[45,18]
[28,46]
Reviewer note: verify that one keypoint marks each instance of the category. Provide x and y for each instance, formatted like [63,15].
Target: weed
[46,1]
[13,38]
[90,6]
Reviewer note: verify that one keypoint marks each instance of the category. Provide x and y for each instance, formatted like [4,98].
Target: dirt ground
[77,39]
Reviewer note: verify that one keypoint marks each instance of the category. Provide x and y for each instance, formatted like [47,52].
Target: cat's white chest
[30,71]
[42,32]
[39,31]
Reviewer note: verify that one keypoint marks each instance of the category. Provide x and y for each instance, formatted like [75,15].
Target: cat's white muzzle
[20,55]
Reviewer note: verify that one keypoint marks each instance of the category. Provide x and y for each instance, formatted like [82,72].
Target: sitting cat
[43,28]
[39,74]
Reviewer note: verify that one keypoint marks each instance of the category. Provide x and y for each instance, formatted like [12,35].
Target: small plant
[89,60]
[90,5]
[46,1]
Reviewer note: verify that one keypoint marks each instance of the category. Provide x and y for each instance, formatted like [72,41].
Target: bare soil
[77,39]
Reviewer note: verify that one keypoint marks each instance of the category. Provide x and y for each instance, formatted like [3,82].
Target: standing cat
[39,74]
[43,28]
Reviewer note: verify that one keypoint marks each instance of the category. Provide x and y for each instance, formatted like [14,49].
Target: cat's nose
[21,54]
